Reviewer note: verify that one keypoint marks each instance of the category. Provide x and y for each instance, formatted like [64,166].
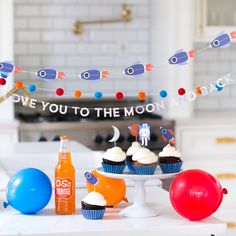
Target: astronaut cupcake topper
[144,133]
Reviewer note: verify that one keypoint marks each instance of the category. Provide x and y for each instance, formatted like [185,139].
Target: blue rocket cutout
[7,67]
[49,74]
[93,74]
[137,69]
[223,40]
[167,135]
[181,57]
[92,179]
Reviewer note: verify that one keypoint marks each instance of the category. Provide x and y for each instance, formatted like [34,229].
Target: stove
[92,131]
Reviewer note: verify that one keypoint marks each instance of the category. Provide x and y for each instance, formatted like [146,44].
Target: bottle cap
[64,138]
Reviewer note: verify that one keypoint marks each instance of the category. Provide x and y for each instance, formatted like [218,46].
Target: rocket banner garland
[117,112]
[180,57]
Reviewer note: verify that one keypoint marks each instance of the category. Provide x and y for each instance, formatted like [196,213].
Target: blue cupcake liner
[93,214]
[144,170]
[171,167]
[115,169]
[130,167]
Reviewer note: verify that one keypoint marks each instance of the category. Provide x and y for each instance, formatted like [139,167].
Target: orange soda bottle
[64,180]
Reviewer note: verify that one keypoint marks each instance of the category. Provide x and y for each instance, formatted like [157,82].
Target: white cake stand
[139,208]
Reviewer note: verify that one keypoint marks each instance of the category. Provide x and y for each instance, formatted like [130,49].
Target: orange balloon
[113,190]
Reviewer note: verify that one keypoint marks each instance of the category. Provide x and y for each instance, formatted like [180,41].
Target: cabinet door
[208,140]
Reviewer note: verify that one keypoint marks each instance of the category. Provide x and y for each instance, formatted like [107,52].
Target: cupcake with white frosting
[144,161]
[129,154]
[93,206]
[170,159]
[114,160]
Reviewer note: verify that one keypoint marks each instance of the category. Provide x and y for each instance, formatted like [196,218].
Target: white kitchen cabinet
[8,136]
[209,143]
[214,16]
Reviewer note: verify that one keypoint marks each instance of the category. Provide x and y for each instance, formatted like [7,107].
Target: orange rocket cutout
[134,130]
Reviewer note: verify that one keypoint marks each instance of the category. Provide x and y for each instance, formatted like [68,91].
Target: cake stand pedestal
[139,208]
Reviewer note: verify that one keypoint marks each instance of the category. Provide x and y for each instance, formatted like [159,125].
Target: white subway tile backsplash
[28,36]
[100,11]
[40,49]
[51,11]
[65,48]
[27,10]
[53,36]
[44,37]
[53,61]
[77,11]
[77,61]
[21,48]
[208,67]
[101,36]
[227,103]
[63,23]
[28,61]
[40,23]
[209,104]
[21,23]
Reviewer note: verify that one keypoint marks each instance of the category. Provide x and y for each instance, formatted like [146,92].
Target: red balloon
[195,194]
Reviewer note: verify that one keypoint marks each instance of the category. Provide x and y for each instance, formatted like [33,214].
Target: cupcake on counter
[114,160]
[170,159]
[129,154]
[144,161]
[93,206]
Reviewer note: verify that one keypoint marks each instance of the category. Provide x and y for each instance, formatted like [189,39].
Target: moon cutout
[116,134]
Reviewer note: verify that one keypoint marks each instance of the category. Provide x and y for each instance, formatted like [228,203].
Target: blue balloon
[28,191]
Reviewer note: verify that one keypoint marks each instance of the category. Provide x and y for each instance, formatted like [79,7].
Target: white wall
[6,53]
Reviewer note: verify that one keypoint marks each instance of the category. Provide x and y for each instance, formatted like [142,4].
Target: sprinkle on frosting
[170,151]
[114,154]
[95,198]
[145,156]
[134,147]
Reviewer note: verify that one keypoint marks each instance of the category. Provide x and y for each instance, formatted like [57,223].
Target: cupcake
[144,161]
[93,206]
[129,154]
[114,160]
[170,159]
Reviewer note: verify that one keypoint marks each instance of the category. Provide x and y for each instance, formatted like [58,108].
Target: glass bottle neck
[64,151]
[64,146]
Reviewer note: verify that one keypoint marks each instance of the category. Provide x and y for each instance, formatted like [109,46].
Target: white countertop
[47,223]
[167,224]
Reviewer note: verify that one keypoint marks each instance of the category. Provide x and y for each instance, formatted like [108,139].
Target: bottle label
[64,188]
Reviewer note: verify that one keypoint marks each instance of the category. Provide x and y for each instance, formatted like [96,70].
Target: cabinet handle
[226,176]
[225,140]
[231,225]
